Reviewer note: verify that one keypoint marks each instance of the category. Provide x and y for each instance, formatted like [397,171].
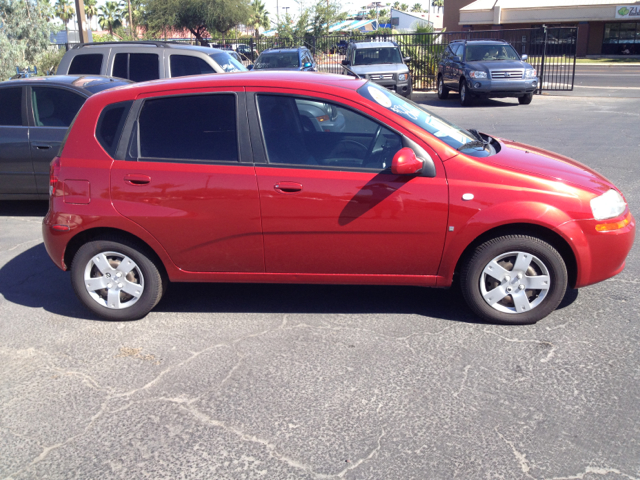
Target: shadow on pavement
[32,280]
[454,101]
[23,208]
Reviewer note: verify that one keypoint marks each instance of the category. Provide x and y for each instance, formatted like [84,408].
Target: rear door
[190,182]
[51,111]
[16,170]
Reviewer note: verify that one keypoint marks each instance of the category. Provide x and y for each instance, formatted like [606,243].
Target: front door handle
[288,187]
[136,179]
[41,146]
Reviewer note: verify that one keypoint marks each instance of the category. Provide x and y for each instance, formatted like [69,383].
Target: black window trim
[242,132]
[31,119]
[260,149]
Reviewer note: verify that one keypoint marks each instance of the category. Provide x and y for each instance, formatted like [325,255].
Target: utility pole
[82,22]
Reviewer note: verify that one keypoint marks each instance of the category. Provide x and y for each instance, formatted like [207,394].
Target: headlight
[477,74]
[530,73]
[608,205]
[402,77]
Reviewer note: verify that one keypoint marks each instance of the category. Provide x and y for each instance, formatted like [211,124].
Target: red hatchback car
[235,178]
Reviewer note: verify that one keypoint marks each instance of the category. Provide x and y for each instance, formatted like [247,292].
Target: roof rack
[167,44]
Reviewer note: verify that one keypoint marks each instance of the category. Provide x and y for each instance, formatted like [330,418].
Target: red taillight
[54,171]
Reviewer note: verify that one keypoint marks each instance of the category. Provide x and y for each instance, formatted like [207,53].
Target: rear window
[138,67]
[196,128]
[110,125]
[278,60]
[11,102]
[95,87]
[89,64]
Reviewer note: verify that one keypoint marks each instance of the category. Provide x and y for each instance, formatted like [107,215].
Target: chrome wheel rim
[515,282]
[463,92]
[440,87]
[113,280]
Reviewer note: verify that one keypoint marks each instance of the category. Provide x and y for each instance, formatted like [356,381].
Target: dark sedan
[34,118]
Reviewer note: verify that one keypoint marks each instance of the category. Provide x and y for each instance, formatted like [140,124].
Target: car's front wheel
[116,279]
[465,96]
[514,279]
[443,92]
[525,99]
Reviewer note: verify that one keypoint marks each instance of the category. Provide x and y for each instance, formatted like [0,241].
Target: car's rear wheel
[116,279]
[514,279]
[443,92]
[526,99]
[465,95]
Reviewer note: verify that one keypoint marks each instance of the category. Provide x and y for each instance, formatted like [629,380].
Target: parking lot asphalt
[282,381]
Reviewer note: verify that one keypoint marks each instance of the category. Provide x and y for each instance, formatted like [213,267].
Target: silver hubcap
[440,87]
[515,282]
[463,92]
[113,280]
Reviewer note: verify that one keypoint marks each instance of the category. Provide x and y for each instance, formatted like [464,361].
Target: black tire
[153,281]
[541,302]
[526,99]
[443,92]
[465,96]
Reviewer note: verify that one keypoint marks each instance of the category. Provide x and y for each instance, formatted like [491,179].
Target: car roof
[144,44]
[374,44]
[76,81]
[487,41]
[285,49]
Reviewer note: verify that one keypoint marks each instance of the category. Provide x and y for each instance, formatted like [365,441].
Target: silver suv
[382,63]
[142,61]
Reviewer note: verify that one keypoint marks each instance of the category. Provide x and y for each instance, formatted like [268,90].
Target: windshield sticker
[380,97]
[406,110]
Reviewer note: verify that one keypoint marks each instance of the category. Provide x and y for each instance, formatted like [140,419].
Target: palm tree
[437,3]
[65,12]
[90,9]
[396,5]
[404,7]
[259,17]
[110,16]
[416,8]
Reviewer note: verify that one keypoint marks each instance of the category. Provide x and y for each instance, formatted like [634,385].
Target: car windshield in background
[377,56]
[98,86]
[479,53]
[447,132]
[227,62]
[278,60]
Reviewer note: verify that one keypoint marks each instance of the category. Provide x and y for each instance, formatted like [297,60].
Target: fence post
[251,45]
[544,57]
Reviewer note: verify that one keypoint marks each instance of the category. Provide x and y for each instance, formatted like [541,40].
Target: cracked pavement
[294,381]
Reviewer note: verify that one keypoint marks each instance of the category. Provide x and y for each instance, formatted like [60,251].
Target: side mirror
[306,65]
[407,59]
[346,62]
[524,57]
[249,67]
[405,162]
[456,59]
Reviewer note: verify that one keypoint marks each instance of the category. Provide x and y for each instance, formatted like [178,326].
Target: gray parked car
[380,62]
[485,68]
[142,61]
[34,118]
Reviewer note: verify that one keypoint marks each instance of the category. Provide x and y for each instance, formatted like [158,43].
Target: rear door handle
[288,187]
[41,146]
[136,179]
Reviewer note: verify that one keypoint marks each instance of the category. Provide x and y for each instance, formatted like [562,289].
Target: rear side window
[54,107]
[196,128]
[88,64]
[182,65]
[110,125]
[138,67]
[10,106]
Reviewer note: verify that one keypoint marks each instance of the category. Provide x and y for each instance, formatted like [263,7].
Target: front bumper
[502,88]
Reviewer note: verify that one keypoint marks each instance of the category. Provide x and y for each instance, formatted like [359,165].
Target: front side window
[11,111]
[478,53]
[138,67]
[54,107]
[89,64]
[198,128]
[278,60]
[227,62]
[183,65]
[377,56]
[307,132]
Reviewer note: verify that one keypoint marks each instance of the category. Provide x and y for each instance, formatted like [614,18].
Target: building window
[622,38]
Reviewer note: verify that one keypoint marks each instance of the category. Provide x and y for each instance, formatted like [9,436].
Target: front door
[187,184]
[16,171]
[330,204]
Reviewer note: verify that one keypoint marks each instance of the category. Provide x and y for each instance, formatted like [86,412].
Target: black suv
[297,58]
[485,68]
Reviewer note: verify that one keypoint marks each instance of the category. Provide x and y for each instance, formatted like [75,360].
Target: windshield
[278,60]
[478,53]
[227,62]
[377,56]
[449,133]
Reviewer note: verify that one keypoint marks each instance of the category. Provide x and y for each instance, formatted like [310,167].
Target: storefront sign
[628,11]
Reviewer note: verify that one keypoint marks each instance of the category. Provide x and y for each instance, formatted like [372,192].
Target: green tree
[404,7]
[259,17]
[110,16]
[396,5]
[437,3]
[417,8]
[65,12]
[324,14]
[90,9]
